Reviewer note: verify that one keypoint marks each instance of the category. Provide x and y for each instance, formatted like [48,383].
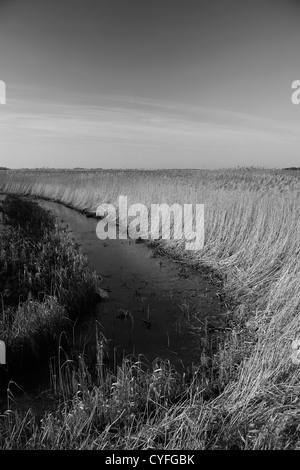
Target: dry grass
[45,283]
[252,234]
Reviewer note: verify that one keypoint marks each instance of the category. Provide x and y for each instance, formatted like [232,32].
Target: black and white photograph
[149,228]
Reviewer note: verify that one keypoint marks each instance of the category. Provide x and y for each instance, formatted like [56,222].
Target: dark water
[152,300]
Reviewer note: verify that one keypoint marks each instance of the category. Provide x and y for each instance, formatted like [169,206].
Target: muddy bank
[45,286]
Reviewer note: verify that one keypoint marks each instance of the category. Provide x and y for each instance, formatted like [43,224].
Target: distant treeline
[3,168]
[292,168]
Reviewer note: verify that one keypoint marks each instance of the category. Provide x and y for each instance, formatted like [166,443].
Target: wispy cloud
[138,121]
[130,124]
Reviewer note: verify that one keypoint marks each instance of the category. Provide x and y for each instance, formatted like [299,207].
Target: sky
[149,83]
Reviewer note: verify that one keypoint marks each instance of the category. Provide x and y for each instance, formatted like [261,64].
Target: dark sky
[149,83]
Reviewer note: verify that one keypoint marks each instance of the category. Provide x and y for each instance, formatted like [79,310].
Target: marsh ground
[252,246]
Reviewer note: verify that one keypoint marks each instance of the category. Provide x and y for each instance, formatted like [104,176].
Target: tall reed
[252,241]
